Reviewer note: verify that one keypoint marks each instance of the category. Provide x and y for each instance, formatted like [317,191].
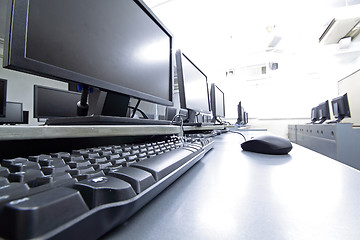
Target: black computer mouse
[267,144]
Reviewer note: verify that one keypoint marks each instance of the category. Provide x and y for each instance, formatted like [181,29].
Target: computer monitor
[323,111]
[3,83]
[246,118]
[314,115]
[240,118]
[119,47]
[193,87]
[52,102]
[14,113]
[217,99]
[340,107]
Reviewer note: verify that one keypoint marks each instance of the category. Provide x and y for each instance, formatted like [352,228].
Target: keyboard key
[23,166]
[4,172]
[113,156]
[3,181]
[80,170]
[102,190]
[41,212]
[25,177]
[161,165]
[93,174]
[138,178]
[47,170]
[73,157]
[79,163]
[8,162]
[60,154]
[55,177]
[80,151]
[12,191]
[39,157]
[131,158]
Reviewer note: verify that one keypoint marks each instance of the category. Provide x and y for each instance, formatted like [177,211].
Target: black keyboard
[84,193]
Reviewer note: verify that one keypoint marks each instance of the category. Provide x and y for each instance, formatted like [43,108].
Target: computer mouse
[267,144]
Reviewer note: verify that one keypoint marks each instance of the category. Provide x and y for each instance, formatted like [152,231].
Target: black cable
[181,120]
[135,108]
[238,133]
[222,121]
[143,114]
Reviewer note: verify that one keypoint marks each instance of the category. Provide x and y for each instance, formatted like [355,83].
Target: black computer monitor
[314,115]
[246,118]
[52,102]
[240,119]
[3,83]
[217,99]
[14,113]
[119,47]
[323,111]
[340,107]
[193,87]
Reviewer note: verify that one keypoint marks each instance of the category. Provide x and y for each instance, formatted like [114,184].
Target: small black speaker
[170,113]
[25,117]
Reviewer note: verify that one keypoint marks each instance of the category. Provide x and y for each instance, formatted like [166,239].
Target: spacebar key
[163,164]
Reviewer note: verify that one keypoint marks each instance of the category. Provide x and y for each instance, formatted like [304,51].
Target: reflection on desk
[233,194]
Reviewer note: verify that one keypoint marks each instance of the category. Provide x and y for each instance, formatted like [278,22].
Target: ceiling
[222,34]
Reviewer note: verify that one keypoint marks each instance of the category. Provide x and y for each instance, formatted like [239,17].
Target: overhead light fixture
[354,32]
[274,41]
[274,37]
[344,24]
[338,29]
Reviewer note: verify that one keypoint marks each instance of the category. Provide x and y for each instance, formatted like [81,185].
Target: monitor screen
[14,113]
[323,111]
[51,102]
[217,98]
[340,107]
[3,83]
[193,86]
[118,46]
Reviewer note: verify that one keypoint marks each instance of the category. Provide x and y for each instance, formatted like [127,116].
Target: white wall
[287,95]
[20,88]
[231,35]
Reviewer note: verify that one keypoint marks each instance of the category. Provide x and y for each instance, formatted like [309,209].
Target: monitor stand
[103,108]
[190,120]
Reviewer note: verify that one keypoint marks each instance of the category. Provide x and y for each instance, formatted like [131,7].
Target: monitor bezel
[15,48]
[182,93]
[213,100]
[36,99]
[3,91]
[314,114]
[5,119]
[344,101]
[240,116]
[324,106]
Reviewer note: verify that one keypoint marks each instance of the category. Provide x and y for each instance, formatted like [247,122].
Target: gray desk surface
[232,194]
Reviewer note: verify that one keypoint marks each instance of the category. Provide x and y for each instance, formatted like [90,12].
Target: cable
[139,110]
[221,121]
[238,133]
[135,108]
[181,121]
